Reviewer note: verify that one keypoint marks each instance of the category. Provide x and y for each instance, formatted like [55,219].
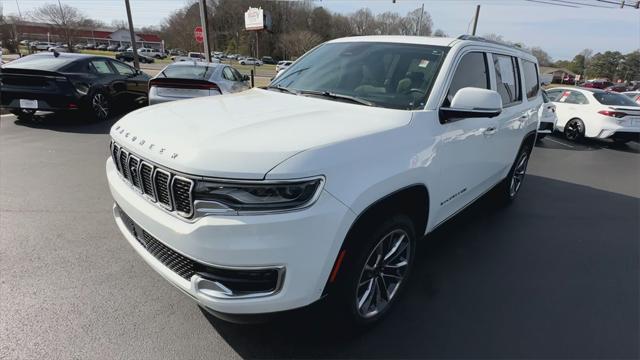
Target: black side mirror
[245,78]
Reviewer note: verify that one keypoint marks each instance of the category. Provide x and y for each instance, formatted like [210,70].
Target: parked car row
[98,85]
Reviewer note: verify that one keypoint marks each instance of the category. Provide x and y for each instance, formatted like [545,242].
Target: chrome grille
[170,191]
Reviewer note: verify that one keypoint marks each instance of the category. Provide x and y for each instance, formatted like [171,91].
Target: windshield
[389,75]
[608,98]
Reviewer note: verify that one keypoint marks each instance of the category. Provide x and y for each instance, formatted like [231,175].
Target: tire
[100,106]
[510,187]
[574,130]
[371,282]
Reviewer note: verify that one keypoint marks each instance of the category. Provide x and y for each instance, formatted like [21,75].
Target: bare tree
[389,23]
[120,24]
[418,21]
[440,33]
[543,58]
[299,42]
[363,21]
[63,18]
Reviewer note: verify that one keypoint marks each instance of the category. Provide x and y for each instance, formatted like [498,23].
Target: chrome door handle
[490,130]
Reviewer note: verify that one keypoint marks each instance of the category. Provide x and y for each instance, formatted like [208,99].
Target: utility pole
[419,26]
[132,33]
[205,29]
[475,20]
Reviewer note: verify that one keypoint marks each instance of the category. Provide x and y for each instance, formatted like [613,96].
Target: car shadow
[557,142]
[536,279]
[71,123]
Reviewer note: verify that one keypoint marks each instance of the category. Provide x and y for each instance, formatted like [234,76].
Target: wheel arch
[412,200]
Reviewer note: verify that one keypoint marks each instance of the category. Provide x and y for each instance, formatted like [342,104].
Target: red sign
[197,33]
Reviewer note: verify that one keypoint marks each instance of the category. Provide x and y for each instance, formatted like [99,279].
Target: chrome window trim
[155,190]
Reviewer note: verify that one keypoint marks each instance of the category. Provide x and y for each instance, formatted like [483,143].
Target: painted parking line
[560,142]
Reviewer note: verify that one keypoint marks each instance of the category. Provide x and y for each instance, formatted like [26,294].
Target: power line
[621,3]
[553,3]
[584,4]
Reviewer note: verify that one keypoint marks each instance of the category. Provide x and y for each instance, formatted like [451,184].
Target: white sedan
[250,61]
[594,113]
[548,117]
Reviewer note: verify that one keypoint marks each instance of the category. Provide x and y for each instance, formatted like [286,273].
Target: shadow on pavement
[71,123]
[555,274]
[558,142]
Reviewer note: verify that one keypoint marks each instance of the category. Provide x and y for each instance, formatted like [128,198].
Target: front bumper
[303,244]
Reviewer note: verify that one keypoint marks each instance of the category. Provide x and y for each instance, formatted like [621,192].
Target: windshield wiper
[333,95]
[283,89]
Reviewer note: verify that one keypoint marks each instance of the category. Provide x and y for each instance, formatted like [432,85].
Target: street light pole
[132,33]
[205,29]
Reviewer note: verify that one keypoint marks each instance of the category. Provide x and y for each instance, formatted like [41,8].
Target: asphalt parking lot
[555,275]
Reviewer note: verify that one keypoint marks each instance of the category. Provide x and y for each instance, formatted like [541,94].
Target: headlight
[237,197]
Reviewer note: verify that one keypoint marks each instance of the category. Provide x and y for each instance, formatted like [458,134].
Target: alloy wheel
[518,174]
[573,130]
[383,272]
[100,106]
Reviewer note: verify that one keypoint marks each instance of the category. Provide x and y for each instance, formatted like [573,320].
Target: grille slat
[124,155]
[134,162]
[181,189]
[146,179]
[161,182]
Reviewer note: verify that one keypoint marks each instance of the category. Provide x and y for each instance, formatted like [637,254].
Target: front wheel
[379,261]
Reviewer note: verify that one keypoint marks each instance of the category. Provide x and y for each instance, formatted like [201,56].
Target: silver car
[189,79]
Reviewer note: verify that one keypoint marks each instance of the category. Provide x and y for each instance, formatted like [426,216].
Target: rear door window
[531,82]
[507,79]
[101,67]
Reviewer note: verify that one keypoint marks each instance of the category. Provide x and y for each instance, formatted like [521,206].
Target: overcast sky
[560,30]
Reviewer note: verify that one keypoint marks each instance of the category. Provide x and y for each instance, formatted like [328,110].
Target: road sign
[198,34]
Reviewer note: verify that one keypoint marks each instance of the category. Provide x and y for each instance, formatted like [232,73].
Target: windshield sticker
[423,63]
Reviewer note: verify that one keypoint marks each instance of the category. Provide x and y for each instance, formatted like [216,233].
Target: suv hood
[245,135]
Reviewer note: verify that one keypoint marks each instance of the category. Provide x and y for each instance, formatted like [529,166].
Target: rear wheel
[100,106]
[510,187]
[574,130]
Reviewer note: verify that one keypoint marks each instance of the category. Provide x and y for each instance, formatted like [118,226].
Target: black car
[128,56]
[268,60]
[70,82]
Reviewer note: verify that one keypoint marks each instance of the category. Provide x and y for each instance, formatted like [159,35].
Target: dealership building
[33,31]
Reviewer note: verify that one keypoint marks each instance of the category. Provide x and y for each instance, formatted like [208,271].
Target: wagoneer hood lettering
[207,136]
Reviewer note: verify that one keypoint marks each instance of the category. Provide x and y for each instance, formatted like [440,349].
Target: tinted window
[123,69]
[388,75]
[40,62]
[531,82]
[188,71]
[236,74]
[228,74]
[607,98]
[554,95]
[471,72]
[572,97]
[101,67]
[507,79]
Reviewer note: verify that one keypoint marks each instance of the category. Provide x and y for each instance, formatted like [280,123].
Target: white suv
[322,183]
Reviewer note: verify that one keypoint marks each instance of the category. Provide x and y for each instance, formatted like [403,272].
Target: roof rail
[480,38]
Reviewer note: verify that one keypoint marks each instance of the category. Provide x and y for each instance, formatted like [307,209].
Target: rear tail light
[184,84]
[615,114]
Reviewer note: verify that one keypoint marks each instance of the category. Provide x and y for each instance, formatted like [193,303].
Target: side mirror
[472,102]
[245,78]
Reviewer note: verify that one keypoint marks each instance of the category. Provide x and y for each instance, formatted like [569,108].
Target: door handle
[490,130]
